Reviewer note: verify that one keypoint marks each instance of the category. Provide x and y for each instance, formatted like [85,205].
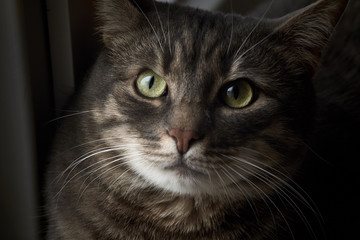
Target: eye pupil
[233,92]
[237,94]
[151,85]
[151,82]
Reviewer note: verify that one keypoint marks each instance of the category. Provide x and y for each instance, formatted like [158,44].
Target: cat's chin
[183,170]
[178,178]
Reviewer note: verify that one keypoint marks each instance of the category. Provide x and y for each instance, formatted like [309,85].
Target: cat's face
[193,102]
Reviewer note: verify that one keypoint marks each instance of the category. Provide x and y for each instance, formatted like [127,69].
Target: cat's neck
[194,215]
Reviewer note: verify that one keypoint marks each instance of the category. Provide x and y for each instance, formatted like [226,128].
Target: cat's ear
[120,17]
[307,31]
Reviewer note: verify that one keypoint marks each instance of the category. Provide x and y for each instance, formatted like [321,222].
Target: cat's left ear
[121,17]
[307,31]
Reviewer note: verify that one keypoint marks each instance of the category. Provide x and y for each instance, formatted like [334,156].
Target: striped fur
[111,174]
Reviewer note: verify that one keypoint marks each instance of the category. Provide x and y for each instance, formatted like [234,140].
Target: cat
[193,125]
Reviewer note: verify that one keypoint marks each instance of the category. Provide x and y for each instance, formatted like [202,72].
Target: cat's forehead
[200,35]
[191,49]
[201,45]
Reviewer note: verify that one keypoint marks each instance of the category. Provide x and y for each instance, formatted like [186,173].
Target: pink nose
[184,138]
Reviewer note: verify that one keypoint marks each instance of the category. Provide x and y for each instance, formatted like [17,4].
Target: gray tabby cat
[193,125]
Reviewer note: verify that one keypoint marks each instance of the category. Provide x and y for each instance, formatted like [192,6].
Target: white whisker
[225,187]
[283,195]
[103,139]
[117,158]
[88,155]
[280,191]
[232,27]
[259,190]
[78,160]
[152,27]
[106,171]
[67,181]
[298,195]
[168,18]
[253,30]
[317,155]
[161,25]
[254,46]
[242,190]
[135,181]
[262,194]
[117,179]
[71,115]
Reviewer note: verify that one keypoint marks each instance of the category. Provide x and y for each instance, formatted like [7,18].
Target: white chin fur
[171,180]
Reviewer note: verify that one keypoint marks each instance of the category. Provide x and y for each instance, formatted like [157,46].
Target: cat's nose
[184,138]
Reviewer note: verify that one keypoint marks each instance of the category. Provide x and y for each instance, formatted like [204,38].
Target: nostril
[184,138]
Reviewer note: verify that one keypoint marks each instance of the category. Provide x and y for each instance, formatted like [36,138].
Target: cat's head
[196,102]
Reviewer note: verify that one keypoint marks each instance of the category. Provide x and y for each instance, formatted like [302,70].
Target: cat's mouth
[184,170]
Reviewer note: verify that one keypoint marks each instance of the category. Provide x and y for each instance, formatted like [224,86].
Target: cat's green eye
[237,94]
[150,84]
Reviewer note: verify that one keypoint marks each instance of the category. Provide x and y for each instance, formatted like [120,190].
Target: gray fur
[259,148]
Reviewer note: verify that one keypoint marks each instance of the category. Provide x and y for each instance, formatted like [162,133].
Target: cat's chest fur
[150,215]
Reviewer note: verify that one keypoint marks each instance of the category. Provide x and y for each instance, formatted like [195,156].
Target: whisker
[152,27]
[253,30]
[242,190]
[280,191]
[77,161]
[161,25]
[120,177]
[284,196]
[259,190]
[299,195]
[232,27]
[118,157]
[108,189]
[103,139]
[260,153]
[254,46]
[104,166]
[98,176]
[71,115]
[262,194]
[168,18]
[134,181]
[225,187]
[97,163]
[88,155]
[92,172]
[116,180]
[317,155]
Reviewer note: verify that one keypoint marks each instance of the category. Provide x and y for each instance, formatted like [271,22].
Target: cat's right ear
[306,32]
[119,18]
